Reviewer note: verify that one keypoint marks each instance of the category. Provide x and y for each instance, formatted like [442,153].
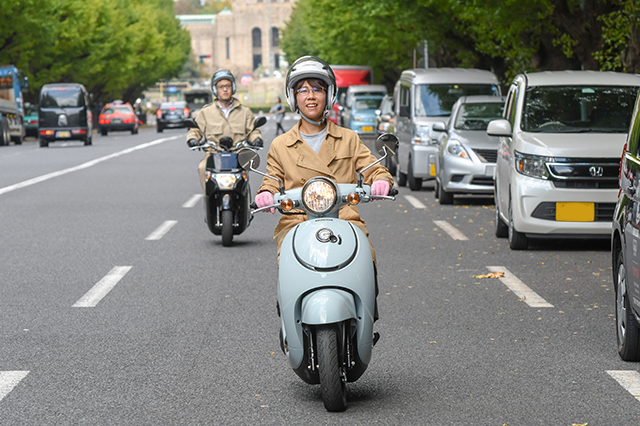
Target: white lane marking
[192,201]
[161,230]
[449,229]
[520,289]
[82,166]
[415,202]
[630,380]
[9,380]
[102,288]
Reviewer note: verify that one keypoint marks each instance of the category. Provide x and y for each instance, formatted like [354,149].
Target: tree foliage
[116,48]
[506,36]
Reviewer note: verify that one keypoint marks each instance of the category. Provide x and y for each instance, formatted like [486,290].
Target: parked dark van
[64,114]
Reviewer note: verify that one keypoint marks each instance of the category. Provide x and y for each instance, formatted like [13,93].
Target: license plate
[63,134]
[367,128]
[490,171]
[432,169]
[575,212]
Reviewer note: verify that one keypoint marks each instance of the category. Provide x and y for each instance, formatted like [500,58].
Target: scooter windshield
[225,161]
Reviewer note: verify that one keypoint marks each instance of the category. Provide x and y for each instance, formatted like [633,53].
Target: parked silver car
[467,154]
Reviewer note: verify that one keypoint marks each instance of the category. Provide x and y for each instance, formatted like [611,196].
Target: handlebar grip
[393,192]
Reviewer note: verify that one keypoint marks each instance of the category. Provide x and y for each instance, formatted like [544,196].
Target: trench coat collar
[308,157]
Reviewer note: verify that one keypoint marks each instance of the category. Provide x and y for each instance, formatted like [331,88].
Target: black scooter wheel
[227,228]
[332,387]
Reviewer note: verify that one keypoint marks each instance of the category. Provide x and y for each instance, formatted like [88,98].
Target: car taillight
[159,113]
[186,111]
[128,120]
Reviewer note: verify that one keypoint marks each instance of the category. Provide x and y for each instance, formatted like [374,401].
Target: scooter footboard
[328,306]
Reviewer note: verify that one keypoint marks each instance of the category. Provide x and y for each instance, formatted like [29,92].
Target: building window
[256,36]
[227,47]
[275,37]
[276,60]
[257,61]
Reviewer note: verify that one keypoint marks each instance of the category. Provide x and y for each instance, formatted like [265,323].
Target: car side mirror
[439,126]
[500,127]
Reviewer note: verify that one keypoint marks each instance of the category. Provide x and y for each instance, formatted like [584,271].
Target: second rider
[225,116]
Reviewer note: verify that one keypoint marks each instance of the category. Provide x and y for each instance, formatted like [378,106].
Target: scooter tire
[332,387]
[227,228]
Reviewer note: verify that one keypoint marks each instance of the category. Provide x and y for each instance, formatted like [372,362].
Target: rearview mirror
[248,158]
[387,141]
[439,126]
[260,121]
[190,123]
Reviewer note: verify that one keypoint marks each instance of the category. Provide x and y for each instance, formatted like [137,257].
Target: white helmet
[222,74]
[310,67]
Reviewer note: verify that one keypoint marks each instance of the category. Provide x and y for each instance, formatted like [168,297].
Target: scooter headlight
[319,195]
[225,181]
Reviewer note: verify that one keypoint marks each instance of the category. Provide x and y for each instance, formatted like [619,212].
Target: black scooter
[227,196]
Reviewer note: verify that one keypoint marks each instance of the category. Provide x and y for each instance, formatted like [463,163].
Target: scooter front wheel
[227,227]
[332,387]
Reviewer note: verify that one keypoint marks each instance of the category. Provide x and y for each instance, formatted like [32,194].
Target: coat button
[302,181]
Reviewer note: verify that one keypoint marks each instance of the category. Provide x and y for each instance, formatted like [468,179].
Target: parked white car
[561,140]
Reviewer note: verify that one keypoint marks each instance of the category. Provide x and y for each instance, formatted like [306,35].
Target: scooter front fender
[328,306]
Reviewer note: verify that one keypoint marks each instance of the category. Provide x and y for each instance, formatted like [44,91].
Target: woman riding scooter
[315,149]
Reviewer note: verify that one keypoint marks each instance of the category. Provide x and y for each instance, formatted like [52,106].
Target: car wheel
[626,324]
[43,142]
[414,183]
[444,197]
[517,240]
[5,136]
[104,132]
[401,177]
[391,165]
[159,129]
[502,230]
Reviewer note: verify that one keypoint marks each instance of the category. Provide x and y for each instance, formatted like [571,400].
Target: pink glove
[379,187]
[264,199]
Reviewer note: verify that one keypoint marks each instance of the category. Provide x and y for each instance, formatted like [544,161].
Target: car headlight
[319,195]
[422,135]
[534,166]
[456,149]
[357,118]
[225,180]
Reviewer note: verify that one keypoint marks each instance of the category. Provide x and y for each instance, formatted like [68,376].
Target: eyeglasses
[223,86]
[304,92]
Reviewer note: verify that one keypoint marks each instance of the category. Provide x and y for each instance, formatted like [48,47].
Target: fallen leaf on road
[490,275]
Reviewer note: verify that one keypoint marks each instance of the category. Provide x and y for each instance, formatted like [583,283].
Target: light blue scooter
[327,281]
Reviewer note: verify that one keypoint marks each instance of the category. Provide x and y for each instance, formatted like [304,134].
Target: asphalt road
[187,334]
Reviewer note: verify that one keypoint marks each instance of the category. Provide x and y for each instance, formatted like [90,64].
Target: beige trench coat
[215,125]
[341,155]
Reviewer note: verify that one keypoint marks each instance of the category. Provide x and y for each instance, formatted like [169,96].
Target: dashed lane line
[86,165]
[415,202]
[451,230]
[191,202]
[630,380]
[102,287]
[161,230]
[520,289]
[9,380]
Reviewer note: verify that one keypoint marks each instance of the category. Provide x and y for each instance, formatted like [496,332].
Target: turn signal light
[286,204]
[353,198]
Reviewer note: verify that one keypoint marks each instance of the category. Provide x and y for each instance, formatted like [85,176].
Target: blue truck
[11,105]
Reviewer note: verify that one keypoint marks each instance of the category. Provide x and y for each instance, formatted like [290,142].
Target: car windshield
[578,109]
[436,100]
[61,98]
[477,116]
[367,103]
[197,100]
[174,105]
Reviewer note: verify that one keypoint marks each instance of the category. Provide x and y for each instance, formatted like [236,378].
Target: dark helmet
[222,74]
[310,67]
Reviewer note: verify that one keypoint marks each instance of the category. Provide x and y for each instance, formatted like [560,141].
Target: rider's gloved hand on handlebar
[264,199]
[193,143]
[258,142]
[380,187]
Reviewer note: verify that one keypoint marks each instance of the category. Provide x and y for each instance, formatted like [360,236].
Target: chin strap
[310,121]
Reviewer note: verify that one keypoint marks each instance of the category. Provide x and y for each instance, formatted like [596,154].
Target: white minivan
[422,98]
[559,152]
